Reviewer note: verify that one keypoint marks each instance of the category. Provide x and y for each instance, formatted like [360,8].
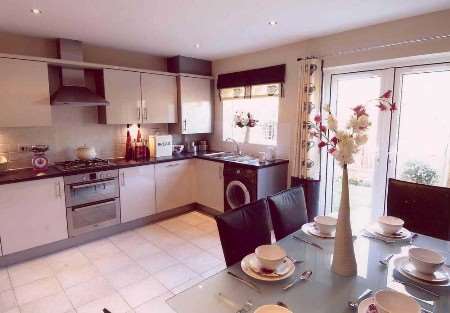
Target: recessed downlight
[197,45]
[36,11]
[272,23]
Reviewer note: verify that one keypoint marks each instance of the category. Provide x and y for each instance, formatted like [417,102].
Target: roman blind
[260,76]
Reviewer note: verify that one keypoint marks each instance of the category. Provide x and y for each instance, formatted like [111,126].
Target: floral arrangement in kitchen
[247,120]
[343,143]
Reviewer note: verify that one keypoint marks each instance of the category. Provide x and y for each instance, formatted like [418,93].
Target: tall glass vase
[247,135]
[344,261]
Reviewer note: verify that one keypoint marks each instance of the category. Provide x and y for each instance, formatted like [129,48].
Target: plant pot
[344,261]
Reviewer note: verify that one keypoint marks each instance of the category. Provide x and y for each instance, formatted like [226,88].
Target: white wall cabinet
[174,184]
[209,184]
[32,214]
[24,93]
[123,91]
[159,98]
[137,192]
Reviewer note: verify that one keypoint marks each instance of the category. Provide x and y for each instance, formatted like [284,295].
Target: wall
[410,28]
[72,127]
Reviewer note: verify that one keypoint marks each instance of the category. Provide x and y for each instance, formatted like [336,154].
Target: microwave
[160,145]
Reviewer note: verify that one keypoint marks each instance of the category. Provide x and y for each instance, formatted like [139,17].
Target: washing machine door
[237,194]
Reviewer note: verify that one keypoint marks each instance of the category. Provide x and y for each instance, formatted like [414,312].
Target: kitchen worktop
[20,175]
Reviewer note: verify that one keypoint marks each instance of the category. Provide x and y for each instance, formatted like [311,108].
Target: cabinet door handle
[123,179]
[145,114]
[139,113]
[58,190]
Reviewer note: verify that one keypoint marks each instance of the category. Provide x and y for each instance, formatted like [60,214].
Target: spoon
[353,305]
[386,260]
[303,276]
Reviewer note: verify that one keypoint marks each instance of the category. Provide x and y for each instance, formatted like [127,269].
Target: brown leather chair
[425,209]
[288,211]
[243,229]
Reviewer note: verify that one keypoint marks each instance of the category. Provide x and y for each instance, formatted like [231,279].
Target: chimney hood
[73,90]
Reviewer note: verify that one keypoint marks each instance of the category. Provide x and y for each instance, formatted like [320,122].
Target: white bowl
[390,224]
[270,256]
[425,261]
[325,224]
[272,308]
[389,301]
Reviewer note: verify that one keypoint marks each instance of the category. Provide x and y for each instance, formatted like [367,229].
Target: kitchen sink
[230,156]
[220,155]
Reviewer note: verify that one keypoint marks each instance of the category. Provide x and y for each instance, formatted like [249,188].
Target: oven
[92,201]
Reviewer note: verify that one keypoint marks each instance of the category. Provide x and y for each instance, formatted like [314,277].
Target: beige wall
[411,28]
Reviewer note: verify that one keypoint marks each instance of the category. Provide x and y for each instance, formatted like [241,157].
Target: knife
[244,281]
[308,242]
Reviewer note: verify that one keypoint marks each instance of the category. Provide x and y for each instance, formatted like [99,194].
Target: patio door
[367,175]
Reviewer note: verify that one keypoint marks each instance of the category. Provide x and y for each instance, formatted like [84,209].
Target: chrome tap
[237,148]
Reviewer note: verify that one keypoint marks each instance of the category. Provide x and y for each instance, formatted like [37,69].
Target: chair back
[288,211]
[425,209]
[243,229]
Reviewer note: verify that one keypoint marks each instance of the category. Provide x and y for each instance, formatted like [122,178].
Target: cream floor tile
[194,218]
[139,249]
[157,305]
[157,262]
[174,276]
[89,291]
[113,303]
[214,270]
[37,290]
[201,263]
[109,264]
[7,301]
[74,276]
[98,249]
[190,232]
[123,237]
[57,303]
[5,283]
[143,291]
[67,259]
[206,242]
[13,310]
[173,224]
[127,276]
[208,227]
[217,252]
[152,232]
[167,241]
[183,251]
[30,271]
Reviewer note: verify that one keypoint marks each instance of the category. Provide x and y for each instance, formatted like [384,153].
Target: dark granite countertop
[20,175]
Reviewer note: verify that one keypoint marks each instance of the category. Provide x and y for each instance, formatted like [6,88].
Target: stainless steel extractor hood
[73,90]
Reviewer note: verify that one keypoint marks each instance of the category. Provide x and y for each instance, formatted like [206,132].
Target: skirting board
[53,247]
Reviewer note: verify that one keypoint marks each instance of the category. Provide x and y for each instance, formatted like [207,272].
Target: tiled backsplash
[72,127]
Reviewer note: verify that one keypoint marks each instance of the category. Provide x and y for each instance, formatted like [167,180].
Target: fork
[303,276]
[386,260]
[244,309]
[294,260]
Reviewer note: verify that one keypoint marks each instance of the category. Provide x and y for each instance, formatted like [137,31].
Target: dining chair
[425,209]
[288,211]
[243,229]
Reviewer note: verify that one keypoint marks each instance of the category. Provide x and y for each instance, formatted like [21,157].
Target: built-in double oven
[92,201]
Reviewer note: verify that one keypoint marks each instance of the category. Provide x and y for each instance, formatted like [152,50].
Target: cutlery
[284,305]
[308,242]
[364,295]
[378,238]
[244,309]
[294,260]
[244,281]
[413,237]
[409,284]
[303,276]
[386,260]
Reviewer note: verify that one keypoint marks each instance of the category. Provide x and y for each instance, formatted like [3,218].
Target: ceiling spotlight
[36,11]
[273,23]
[197,45]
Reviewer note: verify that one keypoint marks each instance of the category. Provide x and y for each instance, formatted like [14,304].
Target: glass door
[367,175]
[420,140]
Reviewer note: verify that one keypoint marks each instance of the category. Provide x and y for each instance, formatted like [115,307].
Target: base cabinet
[209,184]
[137,192]
[174,184]
[32,214]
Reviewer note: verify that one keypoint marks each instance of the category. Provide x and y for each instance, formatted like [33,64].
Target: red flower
[322,144]
[359,110]
[318,119]
[382,106]
[387,94]
[393,107]
[332,150]
[334,140]
[323,129]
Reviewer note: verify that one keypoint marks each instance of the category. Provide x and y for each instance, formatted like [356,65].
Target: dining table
[325,291]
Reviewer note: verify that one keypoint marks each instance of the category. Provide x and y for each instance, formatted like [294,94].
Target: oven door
[82,219]
[89,192]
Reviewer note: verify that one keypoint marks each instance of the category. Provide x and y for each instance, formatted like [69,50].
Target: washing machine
[245,183]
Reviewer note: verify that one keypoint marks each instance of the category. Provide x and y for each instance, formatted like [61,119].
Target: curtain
[306,163]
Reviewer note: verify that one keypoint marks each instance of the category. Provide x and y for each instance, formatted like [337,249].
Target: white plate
[401,261]
[439,276]
[311,229]
[247,269]
[400,235]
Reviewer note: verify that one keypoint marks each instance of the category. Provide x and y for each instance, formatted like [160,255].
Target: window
[262,105]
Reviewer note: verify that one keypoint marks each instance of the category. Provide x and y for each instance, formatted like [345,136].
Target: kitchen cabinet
[209,184]
[195,106]
[138,98]
[32,214]
[123,91]
[174,184]
[137,192]
[159,98]
[24,93]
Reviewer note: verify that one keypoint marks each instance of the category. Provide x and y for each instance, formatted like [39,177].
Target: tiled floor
[129,272]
